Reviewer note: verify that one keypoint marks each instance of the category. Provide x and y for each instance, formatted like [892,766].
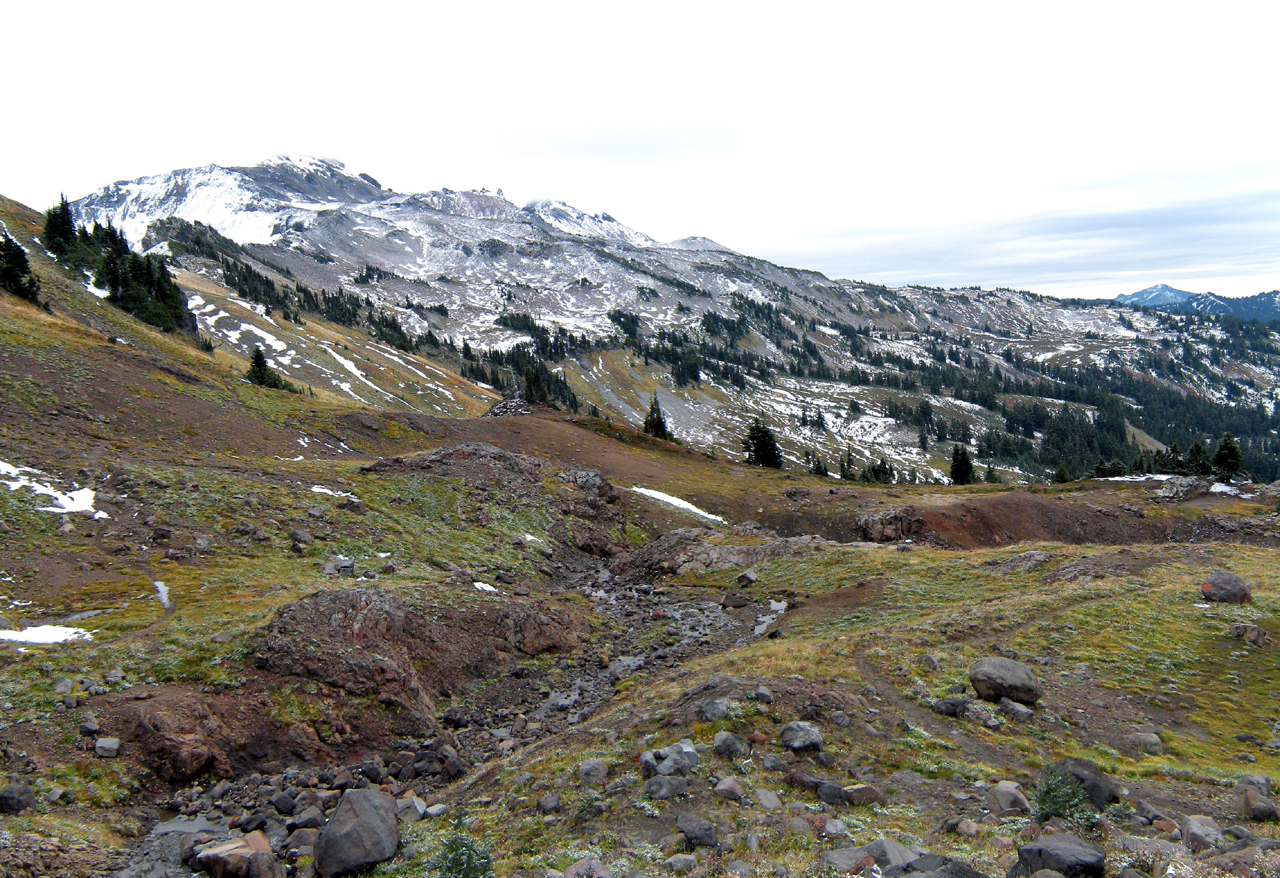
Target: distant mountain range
[1263,306]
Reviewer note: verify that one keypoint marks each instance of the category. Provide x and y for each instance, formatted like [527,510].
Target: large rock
[801,736]
[179,740]
[884,852]
[1199,833]
[361,833]
[246,857]
[1259,783]
[994,678]
[16,798]
[1097,786]
[588,867]
[1065,854]
[593,772]
[664,787]
[698,832]
[730,746]
[1255,807]
[1007,795]
[1226,588]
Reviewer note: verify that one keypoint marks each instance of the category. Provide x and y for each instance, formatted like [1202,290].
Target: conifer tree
[655,423]
[761,446]
[15,271]
[59,228]
[961,465]
[1226,460]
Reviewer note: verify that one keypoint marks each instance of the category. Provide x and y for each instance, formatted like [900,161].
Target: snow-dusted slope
[1156,296]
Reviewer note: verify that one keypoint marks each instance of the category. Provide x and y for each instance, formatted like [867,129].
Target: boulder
[107,748]
[1065,854]
[1227,588]
[593,772]
[730,788]
[181,740]
[1147,742]
[995,677]
[884,852]
[1199,833]
[767,799]
[1259,783]
[730,746]
[588,867]
[664,787]
[1256,808]
[863,794]
[698,832]
[681,864]
[16,798]
[801,736]
[1097,786]
[246,857]
[361,832]
[1007,795]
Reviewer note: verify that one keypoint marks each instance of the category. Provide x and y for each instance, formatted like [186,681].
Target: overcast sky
[1071,149]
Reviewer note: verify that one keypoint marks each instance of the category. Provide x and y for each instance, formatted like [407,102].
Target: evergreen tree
[15,271]
[264,376]
[761,446]
[655,423]
[993,477]
[59,228]
[961,465]
[819,468]
[1198,459]
[1226,460]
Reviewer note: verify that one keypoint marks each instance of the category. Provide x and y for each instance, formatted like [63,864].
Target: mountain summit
[1158,296]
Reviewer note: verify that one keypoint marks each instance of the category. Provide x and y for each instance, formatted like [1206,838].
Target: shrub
[1060,795]
[460,857]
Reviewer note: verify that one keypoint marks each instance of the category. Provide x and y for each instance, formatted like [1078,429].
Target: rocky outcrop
[181,740]
[370,643]
[891,525]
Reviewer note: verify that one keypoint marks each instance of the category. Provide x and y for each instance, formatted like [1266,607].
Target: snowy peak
[698,242]
[1158,296]
[568,220]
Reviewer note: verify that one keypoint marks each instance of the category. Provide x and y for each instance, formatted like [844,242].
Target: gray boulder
[1259,783]
[1065,854]
[730,746]
[886,853]
[663,787]
[1007,795]
[107,748]
[698,832]
[1199,833]
[995,677]
[681,864]
[1227,588]
[16,798]
[588,867]
[1097,786]
[361,833]
[1256,808]
[593,772]
[801,736]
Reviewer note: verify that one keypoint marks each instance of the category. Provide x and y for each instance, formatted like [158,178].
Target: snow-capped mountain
[1157,296]
[772,340]
[1263,306]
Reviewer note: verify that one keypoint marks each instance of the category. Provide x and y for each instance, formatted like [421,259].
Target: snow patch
[46,634]
[684,505]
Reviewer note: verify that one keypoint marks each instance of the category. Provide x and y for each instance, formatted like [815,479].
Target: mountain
[1264,307]
[1157,296]
[841,369]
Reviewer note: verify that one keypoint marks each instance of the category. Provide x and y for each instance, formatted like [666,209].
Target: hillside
[233,613]
[720,337]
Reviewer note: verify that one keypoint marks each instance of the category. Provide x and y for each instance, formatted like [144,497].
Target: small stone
[730,788]
[801,736]
[107,748]
[681,864]
[549,804]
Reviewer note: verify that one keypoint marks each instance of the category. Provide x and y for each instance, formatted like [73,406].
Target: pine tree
[655,423]
[15,271]
[59,228]
[761,446]
[1226,460]
[259,371]
[961,465]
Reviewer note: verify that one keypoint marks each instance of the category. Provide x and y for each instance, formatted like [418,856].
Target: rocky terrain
[252,633]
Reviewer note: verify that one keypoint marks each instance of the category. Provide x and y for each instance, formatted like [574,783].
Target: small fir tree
[961,465]
[1226,460]
[655,423]
[761,446]
[15,271]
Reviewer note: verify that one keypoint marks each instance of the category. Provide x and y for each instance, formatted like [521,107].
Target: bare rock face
[371,643]
[179,741]
[696,550]
[994,678]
